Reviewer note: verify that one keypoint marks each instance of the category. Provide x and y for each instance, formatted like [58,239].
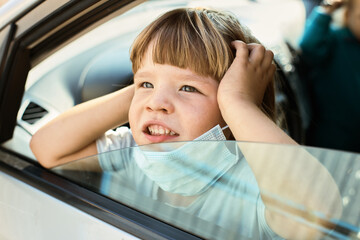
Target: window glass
[214,193]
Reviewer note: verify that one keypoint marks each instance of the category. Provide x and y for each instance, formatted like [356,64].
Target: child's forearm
[72,135]
[249,123]
[283,172]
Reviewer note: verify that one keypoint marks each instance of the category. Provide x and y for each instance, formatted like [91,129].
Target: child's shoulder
[119,138]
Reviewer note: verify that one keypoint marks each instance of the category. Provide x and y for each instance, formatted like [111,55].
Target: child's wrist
[239,102]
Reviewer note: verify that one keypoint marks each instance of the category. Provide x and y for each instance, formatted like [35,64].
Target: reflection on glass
[209,188]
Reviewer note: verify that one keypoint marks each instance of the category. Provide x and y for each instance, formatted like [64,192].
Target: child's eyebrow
[195,78]
[184,77]
[143,74]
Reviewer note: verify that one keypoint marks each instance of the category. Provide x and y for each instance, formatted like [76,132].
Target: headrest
[106,73]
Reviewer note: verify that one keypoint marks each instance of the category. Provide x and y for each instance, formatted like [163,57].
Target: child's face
[353,19]
[172,104]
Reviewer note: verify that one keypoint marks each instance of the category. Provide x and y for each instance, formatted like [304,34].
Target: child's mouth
[157,130]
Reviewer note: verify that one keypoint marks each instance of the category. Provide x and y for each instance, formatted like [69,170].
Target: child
[195,69]
[332,58]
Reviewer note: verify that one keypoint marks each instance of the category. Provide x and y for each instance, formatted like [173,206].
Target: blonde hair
[198,39]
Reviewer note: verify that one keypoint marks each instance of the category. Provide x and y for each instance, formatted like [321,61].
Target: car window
[223,200]
[97,62]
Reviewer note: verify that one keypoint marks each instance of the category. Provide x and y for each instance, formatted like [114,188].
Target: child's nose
[160,101]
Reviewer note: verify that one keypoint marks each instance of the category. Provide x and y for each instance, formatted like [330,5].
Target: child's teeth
[158,130]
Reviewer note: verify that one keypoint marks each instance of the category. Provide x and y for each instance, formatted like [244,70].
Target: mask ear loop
[223,128]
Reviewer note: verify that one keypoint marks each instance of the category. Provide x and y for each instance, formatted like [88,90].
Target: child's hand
[248,76]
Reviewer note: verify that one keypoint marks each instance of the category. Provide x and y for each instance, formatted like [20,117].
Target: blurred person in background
[332,57]
[309,5]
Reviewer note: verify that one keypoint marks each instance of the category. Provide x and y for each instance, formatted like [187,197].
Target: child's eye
[187,88]
[147,85]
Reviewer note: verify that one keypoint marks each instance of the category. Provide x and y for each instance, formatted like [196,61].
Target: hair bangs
[193,42]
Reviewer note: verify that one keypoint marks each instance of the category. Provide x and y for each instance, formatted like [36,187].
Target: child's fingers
[257,53]
[271,71]
[269,65]
[268,59]
[242,51]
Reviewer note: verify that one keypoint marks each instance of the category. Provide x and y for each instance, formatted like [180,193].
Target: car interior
[93,66]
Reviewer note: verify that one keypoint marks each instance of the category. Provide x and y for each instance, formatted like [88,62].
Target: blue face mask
[191,168]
